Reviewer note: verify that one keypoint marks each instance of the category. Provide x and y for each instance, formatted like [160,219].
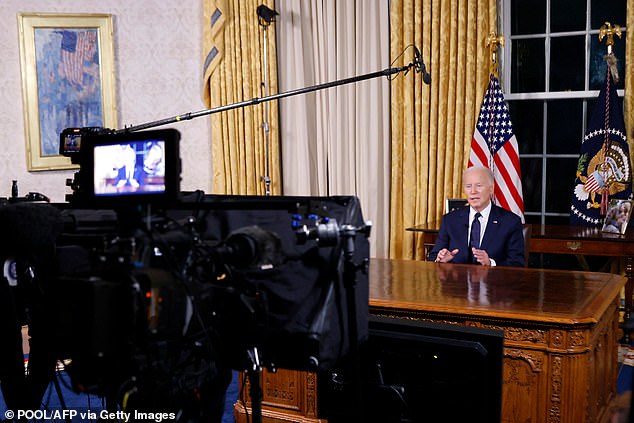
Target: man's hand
[481,256]
[445,256]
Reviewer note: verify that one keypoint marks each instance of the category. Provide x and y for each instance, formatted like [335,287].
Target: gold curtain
[233,73]
[432,125]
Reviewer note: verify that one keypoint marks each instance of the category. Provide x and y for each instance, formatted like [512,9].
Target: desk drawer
[580,246]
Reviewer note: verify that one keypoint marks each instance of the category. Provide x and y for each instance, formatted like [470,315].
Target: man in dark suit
[481,233]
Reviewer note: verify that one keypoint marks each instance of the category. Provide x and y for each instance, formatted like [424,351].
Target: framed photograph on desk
[617,216]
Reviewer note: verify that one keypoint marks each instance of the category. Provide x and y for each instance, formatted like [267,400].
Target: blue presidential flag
[604,171]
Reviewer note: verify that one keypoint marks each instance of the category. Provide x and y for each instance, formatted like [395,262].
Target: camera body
[169,305]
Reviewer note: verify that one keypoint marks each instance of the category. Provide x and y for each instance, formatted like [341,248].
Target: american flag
[77,47]
[494,145]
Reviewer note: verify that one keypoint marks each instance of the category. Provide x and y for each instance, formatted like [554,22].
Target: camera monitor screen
[142,165]
[70,142]
[136,167]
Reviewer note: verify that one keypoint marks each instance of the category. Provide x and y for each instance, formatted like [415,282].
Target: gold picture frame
[67,64]
[617,216]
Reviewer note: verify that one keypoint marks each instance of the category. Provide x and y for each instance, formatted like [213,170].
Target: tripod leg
[255,391]
[350,281]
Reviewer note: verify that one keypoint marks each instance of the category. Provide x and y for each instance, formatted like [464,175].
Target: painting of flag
[67,63]
[69,83]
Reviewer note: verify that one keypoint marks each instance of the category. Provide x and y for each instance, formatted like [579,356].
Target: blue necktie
[474,239]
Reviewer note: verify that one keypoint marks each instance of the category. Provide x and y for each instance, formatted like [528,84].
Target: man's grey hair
[484,169]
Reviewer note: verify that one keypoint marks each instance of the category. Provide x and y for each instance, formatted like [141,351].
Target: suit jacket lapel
[464,233]
[492,227]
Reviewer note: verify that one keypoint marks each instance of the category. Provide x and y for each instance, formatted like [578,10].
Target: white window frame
[504,22]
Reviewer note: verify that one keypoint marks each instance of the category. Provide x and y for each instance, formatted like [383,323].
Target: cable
[393,77]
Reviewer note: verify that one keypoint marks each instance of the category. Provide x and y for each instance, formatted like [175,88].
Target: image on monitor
[129,168]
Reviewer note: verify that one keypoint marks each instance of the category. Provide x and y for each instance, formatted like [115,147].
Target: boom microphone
[420,66]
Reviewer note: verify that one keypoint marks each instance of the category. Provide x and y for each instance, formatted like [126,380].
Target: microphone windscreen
[426,76]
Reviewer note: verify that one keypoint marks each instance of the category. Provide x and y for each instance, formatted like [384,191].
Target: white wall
[158,70]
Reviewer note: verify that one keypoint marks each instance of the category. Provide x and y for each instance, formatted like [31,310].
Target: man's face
[621,215]
[477,189]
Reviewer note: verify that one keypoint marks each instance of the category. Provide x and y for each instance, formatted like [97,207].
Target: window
[552,71]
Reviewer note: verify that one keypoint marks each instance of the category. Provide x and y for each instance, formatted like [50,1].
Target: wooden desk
[560,334]
[565,239]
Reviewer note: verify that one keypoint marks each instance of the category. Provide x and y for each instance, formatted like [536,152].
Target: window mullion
[545,115]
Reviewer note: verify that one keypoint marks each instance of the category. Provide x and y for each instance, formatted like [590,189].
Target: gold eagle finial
[492,42]
[609,31]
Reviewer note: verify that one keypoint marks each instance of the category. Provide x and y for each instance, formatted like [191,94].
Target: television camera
[160,293]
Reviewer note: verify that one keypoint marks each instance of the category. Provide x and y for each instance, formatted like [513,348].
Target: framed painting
[67,63]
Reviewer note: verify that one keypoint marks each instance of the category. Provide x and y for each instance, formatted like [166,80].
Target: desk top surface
[539,295]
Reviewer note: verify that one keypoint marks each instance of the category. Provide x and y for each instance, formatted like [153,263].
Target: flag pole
[493,41]
[608,32]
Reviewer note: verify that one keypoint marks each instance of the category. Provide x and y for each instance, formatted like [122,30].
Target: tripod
[265,17]
[343,239]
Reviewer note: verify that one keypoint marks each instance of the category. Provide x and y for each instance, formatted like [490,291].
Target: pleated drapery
[335,141]
[233,69]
